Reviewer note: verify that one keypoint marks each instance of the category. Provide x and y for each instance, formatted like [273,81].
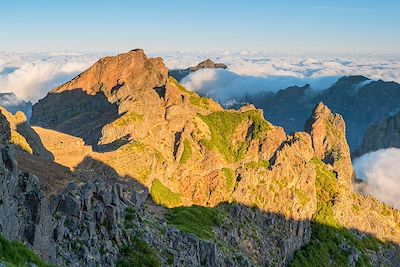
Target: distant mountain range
[13,104]
[381,135]
[359,100]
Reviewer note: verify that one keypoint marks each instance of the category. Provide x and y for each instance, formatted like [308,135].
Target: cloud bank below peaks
[380,171]
[250,73]
[31,76]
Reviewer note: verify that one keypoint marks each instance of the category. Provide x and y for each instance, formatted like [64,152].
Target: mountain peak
[208,64]
[129,71]
[321,108]
[101,94]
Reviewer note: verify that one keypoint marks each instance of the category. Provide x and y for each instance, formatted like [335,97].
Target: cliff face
[186,150]
[384,134]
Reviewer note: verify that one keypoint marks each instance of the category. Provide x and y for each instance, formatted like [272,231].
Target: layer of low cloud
[31,76]
[223,85]
[251,72]
[380,171]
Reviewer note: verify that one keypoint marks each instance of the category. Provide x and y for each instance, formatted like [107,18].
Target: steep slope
[179,74]
[380,135]
[186,150]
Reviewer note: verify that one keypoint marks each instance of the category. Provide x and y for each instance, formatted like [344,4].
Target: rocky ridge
[381,135]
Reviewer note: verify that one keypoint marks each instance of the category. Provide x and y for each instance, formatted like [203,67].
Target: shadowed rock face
[384,134]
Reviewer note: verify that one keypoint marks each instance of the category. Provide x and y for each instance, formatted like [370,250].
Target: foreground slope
[186,150]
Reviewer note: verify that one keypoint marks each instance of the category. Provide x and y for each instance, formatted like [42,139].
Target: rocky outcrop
[24,136]
[381,135]
[98,96]
[328,131]
[179,74]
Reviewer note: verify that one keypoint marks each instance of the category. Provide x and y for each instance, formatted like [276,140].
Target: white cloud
[380,170]
[223,85]
[250,72]
[31,76]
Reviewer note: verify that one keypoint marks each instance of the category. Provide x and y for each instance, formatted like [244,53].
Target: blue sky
[296,26]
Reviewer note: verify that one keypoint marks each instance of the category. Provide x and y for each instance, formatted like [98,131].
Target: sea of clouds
[380,171]
[31,75]
[251,72]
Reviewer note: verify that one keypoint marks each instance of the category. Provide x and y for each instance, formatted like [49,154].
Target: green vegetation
[222,125]
[257,164]
[180,87]
[127,119]
[144,174]
[137,254]
[327,187]
[20,141]
[159,155]
[328,236]
[196,220]
[130,214]
[303,197]
[16,254]
[187,151]
[135,146]
[229,178]
[198,101]
[164,196]
[194,99]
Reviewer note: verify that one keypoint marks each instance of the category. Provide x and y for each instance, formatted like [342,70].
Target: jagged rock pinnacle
[328,133]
